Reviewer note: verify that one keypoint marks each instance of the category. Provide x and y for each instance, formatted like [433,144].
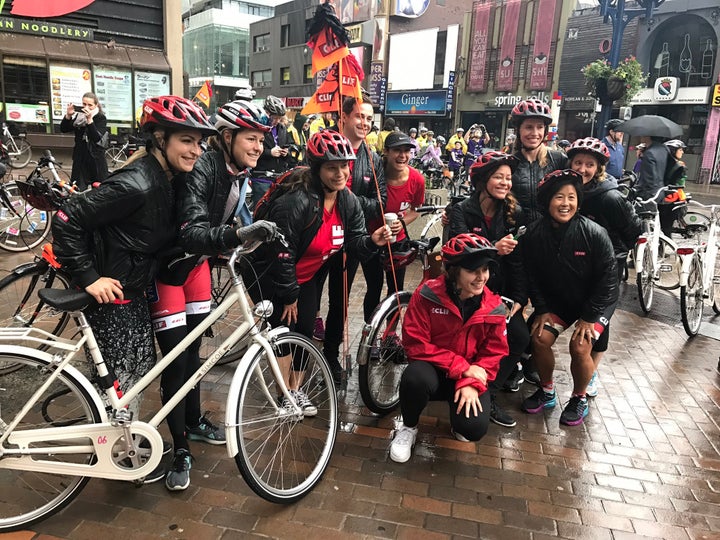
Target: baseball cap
[397,139]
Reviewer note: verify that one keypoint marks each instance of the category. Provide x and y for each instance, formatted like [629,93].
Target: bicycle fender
[74,373]
[403,297]
[231,409]
[27,268]
[686,262]
[639,253]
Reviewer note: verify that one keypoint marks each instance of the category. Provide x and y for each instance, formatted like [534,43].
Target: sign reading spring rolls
[27,112]
[149,85]
[114,91]
[67,85]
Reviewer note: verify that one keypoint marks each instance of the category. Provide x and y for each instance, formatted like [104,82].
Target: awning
[148,59]
[65,49]
[102,55]
[22,45]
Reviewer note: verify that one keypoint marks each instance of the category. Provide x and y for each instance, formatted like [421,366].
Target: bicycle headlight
[263,309]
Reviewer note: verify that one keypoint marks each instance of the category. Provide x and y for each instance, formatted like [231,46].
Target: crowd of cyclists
[544,228]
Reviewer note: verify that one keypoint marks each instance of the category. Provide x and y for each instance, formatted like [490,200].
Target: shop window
[285,76]
[261,79]
[308,76]
[440,57]
[261,43]
[285,35]
[27,82]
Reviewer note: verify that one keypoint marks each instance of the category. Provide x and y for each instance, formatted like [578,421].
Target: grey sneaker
[303,401]
[178,477]
[206,431]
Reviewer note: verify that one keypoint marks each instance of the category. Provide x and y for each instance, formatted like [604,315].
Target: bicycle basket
[39,194]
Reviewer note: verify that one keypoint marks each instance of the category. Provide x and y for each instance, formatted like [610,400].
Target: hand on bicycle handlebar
[260,231]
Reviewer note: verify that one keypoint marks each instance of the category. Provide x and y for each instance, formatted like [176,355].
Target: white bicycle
[20,151]
[700,275]
[656,260]
[57,430]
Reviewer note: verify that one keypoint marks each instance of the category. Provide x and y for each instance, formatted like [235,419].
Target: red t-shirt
[328,240]
[402,198]
[351,165]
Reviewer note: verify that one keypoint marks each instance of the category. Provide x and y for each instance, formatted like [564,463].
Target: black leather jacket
[298,213]
[570,269]
[605,205]
[526,178]
[202,195]
[118,229]
[363,182]
[89,163]
[509,280]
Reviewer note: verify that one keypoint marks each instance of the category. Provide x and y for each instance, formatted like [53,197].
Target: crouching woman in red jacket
[454,335]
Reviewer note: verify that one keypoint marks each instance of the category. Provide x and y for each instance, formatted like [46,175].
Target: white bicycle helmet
[245,93]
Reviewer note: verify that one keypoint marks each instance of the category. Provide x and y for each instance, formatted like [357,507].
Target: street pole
[615,12]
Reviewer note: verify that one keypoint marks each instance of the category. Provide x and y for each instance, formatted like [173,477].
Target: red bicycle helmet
[328,145]
[240,115]
[531,108]
[175,112]
[590,145]
[553,181]
[465,245]
[487,163]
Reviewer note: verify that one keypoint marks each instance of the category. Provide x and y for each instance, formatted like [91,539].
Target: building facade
[124,51]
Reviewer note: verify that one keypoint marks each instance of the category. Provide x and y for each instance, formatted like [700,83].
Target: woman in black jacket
[319,217]
[492,212]
[90,127]
[109,238]
[571,272]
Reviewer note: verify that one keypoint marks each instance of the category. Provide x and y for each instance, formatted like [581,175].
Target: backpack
[284,184]
[675,171]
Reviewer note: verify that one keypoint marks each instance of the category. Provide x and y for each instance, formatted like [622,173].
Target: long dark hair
[508,205]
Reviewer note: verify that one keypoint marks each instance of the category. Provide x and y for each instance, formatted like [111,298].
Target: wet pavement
[646,462]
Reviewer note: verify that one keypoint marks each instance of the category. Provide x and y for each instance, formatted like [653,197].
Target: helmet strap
[228,149]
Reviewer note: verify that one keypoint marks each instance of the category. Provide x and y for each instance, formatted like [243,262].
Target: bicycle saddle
[66,299]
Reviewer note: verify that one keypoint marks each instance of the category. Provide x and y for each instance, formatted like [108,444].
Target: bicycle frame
[707,252]
[119,425]
[11,145]
[651,240]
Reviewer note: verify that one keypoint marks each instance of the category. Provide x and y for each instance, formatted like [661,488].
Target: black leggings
[421,383]
[518,338]
[374,274]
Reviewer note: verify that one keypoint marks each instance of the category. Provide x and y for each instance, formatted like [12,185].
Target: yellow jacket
[450,146]
[372,140]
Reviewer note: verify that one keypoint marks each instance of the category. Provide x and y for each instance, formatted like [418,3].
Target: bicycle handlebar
[669,189]
[428,209]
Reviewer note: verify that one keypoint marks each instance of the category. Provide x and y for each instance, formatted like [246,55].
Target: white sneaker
[303,401]
[592,387]
[458,436]
[402,445]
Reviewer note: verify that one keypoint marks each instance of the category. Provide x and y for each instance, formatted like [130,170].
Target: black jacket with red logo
[570,268]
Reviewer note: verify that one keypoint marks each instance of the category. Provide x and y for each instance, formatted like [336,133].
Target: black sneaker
[178,477]
[206,431]
[157,474]
[513,382]
[500,416]
[575,411]
[538,401]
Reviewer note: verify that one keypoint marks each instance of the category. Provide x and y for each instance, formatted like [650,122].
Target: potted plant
[608,84]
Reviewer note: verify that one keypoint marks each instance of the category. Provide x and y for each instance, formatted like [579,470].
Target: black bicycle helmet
[468,250]
[613,124]
[592,146]
[487,163]
[328,145]
[274,106]
[564,143]
[174,112]
[531,108]
[551,184]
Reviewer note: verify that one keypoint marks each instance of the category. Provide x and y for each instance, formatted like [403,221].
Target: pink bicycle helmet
[486,164]
[590,145]
[531,108]
[553,181]
[175,112]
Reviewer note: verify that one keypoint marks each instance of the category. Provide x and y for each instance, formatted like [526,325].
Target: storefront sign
[715,102]
[665,88]
[25,112]
[149,85]
[294,102]
[544,31]
[361,34]
[510,100]
[695,95]
[45,28]
[67,85]
[376,78]
[477,79]
[114,90]
[33,8]
[426,103]
[450,91]
[506,68]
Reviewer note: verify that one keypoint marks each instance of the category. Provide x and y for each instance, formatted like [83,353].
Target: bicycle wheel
[380,372]
[668,266]
[225,325]
[115,157]
[645,281]
[282,456]
[22,158]
[716,286]
[28,496]
[433,228]
[691,299]
[22,227]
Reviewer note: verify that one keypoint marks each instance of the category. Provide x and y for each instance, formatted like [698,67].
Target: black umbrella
[651,125]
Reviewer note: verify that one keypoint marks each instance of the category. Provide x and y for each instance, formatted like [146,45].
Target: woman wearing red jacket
[454,337]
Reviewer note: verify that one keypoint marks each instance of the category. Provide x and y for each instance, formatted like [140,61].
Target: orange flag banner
[327,50]
[204,94]
[343,80]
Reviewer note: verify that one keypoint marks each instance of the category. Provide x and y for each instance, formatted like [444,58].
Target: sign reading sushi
[150,84]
